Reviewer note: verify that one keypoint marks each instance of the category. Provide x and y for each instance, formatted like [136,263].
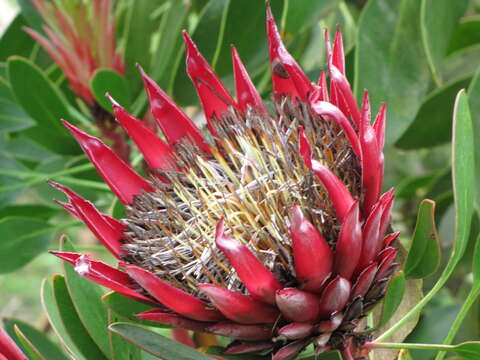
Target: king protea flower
[80,38]
[269,229]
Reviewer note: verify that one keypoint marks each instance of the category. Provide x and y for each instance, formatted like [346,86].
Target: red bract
[267,228]
[8,349]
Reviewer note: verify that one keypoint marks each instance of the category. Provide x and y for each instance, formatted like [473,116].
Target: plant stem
[469,301]
[387,345]
[452,263]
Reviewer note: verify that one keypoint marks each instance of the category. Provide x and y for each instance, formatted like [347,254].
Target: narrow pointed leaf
[155,344]
[36,341]
[71,321]
[85,297]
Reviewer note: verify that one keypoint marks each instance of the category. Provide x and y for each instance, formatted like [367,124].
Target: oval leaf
[41,99]
[25,237]
[424,255]
[109,81]
[381,65]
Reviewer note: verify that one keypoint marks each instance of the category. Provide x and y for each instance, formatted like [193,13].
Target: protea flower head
[267,228]
[80,38]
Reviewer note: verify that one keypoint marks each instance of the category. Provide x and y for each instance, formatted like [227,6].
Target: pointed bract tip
[305,149]
[112,100]
[220,228]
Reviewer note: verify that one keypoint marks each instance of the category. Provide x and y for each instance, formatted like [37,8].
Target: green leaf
[127,308]
[50,309]
[25,237]
[12,117]
[435,113]
[37,342]
[31,14]
[463,173]
[432,328]
[72,322]
[460,64]
[438,20]
[121,349]
[302,14]
[170,45]
[411,186]
[138,38]
[218,351]
[85,296]
[44,103]
[108,81]
[469,350]
[24,148]
[424,255]
[476,263]
[465,34]
[393,297]
[474,102]
[36,211]
[382,65]
[156,344]
[14,40]
[232,22]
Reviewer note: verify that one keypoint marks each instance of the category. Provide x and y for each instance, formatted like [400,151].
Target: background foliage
[413,54]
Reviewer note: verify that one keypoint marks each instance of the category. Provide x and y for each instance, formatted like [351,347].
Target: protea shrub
[269,227]
[80,39]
